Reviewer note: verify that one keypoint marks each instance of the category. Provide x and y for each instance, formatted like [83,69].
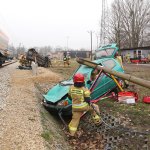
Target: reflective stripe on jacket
[79,105]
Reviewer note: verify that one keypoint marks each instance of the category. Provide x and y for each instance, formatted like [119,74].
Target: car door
[104,83]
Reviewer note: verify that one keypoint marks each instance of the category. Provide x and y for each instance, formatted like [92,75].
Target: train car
[3,46]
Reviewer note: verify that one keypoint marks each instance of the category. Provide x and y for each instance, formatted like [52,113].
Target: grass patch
[52,131]
[46,135]
[137,113]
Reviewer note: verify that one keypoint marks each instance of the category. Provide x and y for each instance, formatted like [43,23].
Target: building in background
[140,52]
[73,54]
[76,53]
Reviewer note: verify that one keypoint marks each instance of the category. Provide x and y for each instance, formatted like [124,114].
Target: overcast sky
[51,22]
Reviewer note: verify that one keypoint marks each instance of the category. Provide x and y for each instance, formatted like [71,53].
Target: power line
[97,38]
[91,35]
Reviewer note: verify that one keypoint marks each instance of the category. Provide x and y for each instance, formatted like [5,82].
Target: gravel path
[20,122]
[4,84]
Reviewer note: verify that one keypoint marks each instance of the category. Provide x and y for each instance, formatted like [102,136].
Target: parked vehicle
[56,99]
[141,59]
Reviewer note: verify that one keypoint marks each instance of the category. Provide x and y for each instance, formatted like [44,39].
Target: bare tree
[115,23]
[45,50]
[129,20]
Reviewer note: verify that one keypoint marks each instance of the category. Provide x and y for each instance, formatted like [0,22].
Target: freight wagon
[3,46]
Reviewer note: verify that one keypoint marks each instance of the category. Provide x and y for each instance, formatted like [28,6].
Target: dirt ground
[22,119]
[21,116]
[137,115]
[27,125]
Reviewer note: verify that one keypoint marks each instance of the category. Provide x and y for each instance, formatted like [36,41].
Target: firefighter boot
[97,119]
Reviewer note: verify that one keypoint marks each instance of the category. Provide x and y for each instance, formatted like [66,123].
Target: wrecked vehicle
[33,55]
[56,99]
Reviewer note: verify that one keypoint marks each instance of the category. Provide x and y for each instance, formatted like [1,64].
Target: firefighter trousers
[76,115]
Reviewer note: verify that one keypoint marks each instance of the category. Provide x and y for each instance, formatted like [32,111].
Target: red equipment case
[146,99]
[126,95]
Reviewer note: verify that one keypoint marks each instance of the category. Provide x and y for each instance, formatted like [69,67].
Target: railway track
[8,63]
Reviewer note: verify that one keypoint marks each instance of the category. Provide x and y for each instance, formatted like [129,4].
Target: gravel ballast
[20,122]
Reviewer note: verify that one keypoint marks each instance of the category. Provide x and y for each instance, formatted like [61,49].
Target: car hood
[58,91]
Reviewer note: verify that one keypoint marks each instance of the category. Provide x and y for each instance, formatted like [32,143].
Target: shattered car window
[85,71]
[104,53]
[109,63]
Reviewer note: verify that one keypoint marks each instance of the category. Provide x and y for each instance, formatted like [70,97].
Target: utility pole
[19,49]
[97,36]
[91,34]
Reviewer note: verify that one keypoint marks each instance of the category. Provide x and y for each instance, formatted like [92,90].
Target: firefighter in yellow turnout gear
[66,60]
[119,59]
[80,103]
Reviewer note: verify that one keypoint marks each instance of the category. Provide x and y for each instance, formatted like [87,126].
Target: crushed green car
[56,99]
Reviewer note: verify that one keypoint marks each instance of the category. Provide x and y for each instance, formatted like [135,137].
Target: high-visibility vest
[78,94]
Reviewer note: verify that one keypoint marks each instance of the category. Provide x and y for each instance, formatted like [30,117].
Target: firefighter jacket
[78,95]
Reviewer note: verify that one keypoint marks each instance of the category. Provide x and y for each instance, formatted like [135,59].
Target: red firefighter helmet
[78,78]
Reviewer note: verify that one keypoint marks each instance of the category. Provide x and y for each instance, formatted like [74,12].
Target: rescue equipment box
[128,97]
